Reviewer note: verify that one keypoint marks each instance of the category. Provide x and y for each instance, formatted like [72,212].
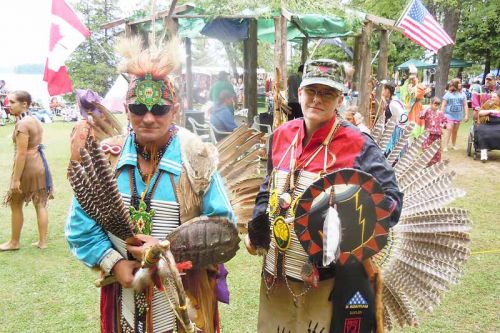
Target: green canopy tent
[419,64]
[459,63]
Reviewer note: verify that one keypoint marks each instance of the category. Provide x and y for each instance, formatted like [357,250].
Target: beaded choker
[146,154]
[24,114]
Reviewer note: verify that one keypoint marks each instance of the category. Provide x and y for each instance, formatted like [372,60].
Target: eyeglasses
[327,95]
[436,103]
[156,110]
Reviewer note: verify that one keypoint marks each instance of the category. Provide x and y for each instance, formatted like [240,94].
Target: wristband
[109,260]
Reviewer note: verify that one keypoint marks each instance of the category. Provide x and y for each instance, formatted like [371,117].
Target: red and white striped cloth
[421,27]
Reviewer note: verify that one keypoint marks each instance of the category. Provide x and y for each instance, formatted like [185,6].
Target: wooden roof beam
[161,14]
[385,23]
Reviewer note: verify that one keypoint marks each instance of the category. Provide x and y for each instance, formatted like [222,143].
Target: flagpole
[403,13]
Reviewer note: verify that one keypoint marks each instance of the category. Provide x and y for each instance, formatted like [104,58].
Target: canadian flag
[66,33]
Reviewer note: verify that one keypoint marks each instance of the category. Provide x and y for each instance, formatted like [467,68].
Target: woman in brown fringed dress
[31,179]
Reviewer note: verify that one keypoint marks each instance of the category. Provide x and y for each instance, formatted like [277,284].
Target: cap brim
[324,81]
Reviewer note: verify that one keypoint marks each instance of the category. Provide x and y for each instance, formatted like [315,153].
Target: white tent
[115,97]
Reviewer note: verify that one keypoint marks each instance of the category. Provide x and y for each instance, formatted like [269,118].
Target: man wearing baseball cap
[297,294]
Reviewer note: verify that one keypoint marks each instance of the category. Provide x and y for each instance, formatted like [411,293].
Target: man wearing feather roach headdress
[329,199]
[166,176]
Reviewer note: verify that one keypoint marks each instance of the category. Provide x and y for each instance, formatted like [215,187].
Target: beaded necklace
[141,213]
[147,155]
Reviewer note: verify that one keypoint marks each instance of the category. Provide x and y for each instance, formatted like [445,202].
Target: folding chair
[202,130]
[261,127]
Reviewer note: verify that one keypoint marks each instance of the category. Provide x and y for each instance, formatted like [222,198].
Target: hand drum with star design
[363,211]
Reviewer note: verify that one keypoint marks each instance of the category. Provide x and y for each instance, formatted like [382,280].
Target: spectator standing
[294,81]
[31,179]
[3,114]
[222,84]
[476,94]
[240,92]
[435,121]
[394,111]
[455,109]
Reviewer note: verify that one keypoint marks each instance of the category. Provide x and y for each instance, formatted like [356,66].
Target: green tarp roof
[312,25]
[417,63]
[455,63]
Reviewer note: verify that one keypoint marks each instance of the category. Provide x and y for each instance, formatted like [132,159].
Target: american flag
[422,28]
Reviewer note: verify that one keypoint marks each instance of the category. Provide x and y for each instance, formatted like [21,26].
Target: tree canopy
[478,33]
[92,65]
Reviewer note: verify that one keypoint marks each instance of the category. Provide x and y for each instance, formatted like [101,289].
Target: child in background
[434,121]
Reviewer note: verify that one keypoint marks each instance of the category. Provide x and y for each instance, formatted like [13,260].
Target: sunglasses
[327,95]
[156,110]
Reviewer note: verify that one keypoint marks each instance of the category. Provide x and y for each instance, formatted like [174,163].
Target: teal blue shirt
[88,241]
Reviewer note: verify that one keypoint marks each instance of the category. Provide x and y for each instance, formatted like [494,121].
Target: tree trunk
[304,52]
[487,65]
[356,63]
[451,20]
[381,70]
[365,69]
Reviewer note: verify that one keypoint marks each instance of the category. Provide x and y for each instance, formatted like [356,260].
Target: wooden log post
[365,71]
[382,67]
[189,74]
[305,53]
[130,30]
[250,68]
[280,39]
[356,63]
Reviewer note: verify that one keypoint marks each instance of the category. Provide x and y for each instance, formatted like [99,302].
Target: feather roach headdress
[148,69]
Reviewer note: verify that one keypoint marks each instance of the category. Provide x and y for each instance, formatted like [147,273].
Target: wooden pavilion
[284,22]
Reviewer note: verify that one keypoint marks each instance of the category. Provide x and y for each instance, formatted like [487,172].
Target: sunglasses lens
[156,110]
[160,110]
[138,109]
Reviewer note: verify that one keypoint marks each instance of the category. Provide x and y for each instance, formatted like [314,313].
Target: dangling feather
[332,231]
[142,278]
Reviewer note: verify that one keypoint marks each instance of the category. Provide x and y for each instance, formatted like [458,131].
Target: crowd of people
[440,118]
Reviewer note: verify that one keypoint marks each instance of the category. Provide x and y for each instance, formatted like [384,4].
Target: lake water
[32,83]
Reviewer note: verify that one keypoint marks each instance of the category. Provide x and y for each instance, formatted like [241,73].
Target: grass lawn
[50,291]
